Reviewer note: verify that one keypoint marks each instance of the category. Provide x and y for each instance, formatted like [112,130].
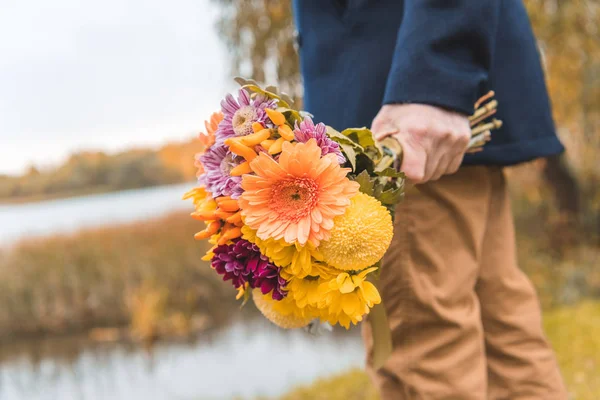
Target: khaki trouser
[465,320]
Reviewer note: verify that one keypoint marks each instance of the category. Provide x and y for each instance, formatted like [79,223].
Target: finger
[442,167]
[386,134]
[382,131]
[455,164]
[460,147]
[414,159]
[433,163]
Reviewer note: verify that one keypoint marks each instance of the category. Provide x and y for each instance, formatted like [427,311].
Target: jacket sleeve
[443,53]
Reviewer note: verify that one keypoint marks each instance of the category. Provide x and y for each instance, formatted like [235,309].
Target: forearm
[444,52]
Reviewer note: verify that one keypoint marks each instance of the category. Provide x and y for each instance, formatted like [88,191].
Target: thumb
[383,129]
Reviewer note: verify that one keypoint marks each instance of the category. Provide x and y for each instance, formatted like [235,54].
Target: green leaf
[392,196]
[338,137]
[349,147]
[366,183]
[362,136]
[364,162]
[291,115]
[389,172]
[350,154]
[270,91]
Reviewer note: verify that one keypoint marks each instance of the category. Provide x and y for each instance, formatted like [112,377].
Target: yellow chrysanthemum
[298,260]
[346,298]
[360,237]
[304,291]
[283,313]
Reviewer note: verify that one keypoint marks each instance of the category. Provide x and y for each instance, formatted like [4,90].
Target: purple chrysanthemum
[267,278]
[218,162]
[240,114]
[308,130]
[242,262]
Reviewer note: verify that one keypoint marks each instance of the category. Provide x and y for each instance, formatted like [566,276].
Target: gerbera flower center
[243,119]
[294,199]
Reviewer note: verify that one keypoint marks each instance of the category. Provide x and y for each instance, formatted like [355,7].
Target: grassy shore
[574,332]
[145,275]
[35,198]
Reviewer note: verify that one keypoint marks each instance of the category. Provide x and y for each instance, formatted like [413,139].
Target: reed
[147,275]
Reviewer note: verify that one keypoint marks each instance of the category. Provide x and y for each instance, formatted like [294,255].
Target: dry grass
[148,274]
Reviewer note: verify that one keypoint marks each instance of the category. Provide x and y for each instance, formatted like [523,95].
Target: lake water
[243,360]
[67,215]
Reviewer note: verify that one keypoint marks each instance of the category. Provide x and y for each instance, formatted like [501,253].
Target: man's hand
[433,139]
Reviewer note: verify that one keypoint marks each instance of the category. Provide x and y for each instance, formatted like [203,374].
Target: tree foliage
[260,35]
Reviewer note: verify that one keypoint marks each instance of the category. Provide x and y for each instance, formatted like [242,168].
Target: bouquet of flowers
[299,214]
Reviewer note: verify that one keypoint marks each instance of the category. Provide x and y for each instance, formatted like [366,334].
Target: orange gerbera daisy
[207,139]
[297,196]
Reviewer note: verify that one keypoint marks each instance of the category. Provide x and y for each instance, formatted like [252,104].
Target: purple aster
[242,262]
[240,114]
[308,130]
[218,162]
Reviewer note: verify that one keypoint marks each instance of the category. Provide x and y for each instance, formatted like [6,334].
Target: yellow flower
[298,260]
[346,298]
[304,291]
[204,204]
[198,195]
[283,313]
[360,237]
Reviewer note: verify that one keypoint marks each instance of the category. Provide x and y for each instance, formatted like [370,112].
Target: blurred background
[102,291]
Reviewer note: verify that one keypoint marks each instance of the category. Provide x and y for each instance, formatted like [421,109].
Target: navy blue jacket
[357,55]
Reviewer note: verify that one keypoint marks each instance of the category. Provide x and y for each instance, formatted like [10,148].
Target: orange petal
[235,218]
[223,214]
[275,116]
[243,168]
[267,143]
[286,132]
[230,205]
[257,126]
[241,149]
[276,147]
[256,138]
[212,228]
[204,215]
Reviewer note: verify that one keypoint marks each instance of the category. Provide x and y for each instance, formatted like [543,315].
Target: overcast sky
[104,74]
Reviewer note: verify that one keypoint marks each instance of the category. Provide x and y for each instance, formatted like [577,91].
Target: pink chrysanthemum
[218,162]
[240,114]
[308,130]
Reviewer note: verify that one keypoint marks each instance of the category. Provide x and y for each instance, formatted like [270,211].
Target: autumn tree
[260,37]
